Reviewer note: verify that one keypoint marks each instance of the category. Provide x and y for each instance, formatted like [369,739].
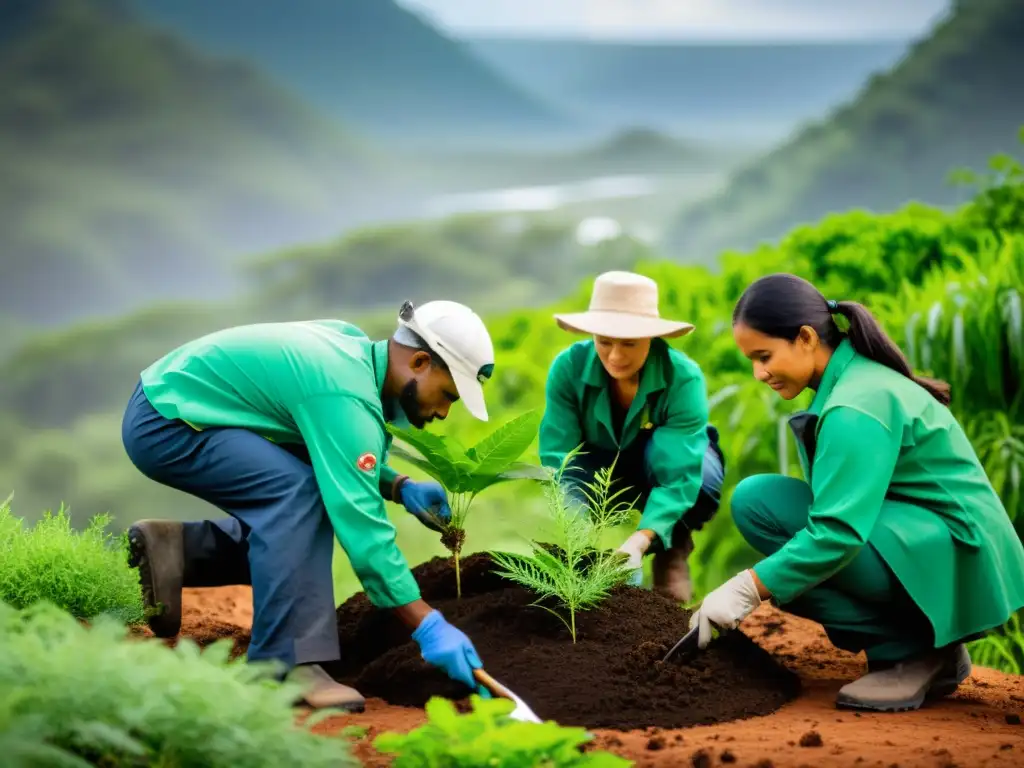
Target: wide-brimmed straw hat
[623,305]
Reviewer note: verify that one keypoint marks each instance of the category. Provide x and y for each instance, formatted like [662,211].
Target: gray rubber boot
[323,691]
[907,684]
[156,549]
[671,571]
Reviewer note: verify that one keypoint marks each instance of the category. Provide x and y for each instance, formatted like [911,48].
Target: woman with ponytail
[896,543]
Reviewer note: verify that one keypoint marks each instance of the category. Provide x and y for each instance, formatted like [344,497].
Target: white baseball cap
[460,338]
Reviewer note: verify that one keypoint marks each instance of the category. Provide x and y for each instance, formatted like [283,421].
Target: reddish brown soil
[974,727]
[611,677]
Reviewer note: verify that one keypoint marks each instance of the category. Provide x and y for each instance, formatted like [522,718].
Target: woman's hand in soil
[419,498]
[726,606]
[634,549]
[447,647]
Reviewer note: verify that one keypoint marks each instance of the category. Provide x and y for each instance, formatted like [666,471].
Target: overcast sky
[687,19]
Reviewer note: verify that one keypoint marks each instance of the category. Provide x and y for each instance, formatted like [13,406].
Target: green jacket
[671,400]
[885,459]
[317,383]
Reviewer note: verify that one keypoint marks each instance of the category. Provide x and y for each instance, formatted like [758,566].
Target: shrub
[487,736]
[84,573]
[79,696]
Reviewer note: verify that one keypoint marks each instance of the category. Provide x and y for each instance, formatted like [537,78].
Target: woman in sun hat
[897,543]
[625,396]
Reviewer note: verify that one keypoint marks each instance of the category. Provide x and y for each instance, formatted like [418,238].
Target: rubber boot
[905,685]
[671,571]
[322,691]
[157,550]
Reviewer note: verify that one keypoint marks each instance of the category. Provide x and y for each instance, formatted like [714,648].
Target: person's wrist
[413,614]
[396,487]
[762,591]
[640,541]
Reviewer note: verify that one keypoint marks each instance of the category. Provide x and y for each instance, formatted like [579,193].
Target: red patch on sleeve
[366,462]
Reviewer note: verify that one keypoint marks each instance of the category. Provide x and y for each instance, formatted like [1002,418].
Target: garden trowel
[521,712]
[687,644]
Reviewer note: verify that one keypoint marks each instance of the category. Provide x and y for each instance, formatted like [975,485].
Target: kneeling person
[628,398]
[897,544]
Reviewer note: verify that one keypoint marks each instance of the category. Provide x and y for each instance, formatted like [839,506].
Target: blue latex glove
[447,647]
[418,498]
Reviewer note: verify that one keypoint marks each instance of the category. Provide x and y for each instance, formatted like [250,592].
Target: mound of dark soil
[612,677]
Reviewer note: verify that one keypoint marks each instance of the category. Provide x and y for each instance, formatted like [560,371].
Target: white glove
[726,606]
[635,547]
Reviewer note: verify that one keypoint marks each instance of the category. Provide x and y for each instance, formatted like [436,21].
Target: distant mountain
[956,99]
[630,152]
[130,165]
[753,91]
[372,63]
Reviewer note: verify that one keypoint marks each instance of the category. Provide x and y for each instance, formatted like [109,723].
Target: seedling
[579,573]
[488,736]
[466,472]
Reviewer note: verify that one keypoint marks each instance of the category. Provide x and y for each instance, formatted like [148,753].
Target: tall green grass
[84,572]
[89,696]
[1003,649]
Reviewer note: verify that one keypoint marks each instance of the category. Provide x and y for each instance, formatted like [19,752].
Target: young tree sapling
[466,472]
[579,573]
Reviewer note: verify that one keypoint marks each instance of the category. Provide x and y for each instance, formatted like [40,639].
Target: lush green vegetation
[91,696]
[946,285]
[487,736]
[82,572]
[953,100]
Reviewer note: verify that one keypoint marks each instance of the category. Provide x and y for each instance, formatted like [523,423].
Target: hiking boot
[671,572]
[906,684]
[323,691]
[157,550]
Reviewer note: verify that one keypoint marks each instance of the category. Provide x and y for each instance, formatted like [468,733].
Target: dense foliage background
[946,284]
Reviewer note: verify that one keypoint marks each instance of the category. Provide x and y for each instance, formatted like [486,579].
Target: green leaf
[437,460]
[496,452]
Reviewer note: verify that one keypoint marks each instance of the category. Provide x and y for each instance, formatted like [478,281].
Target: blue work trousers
[277,536]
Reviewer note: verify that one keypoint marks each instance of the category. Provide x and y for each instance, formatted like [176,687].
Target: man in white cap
[282,426]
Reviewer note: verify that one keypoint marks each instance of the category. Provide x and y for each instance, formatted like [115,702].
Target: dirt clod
[727,757]
[655,743]
[1012,718]
[811,739]
[700,759]
[612,677]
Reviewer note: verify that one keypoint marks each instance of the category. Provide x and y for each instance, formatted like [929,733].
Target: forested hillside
[371,63]
[954,100]
[703,90]
[128,159]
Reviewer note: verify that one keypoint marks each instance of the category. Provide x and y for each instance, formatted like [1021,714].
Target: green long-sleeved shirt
[883,449]
[319,383]
[671,400]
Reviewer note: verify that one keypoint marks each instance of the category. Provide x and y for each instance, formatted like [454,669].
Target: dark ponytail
[780,305]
